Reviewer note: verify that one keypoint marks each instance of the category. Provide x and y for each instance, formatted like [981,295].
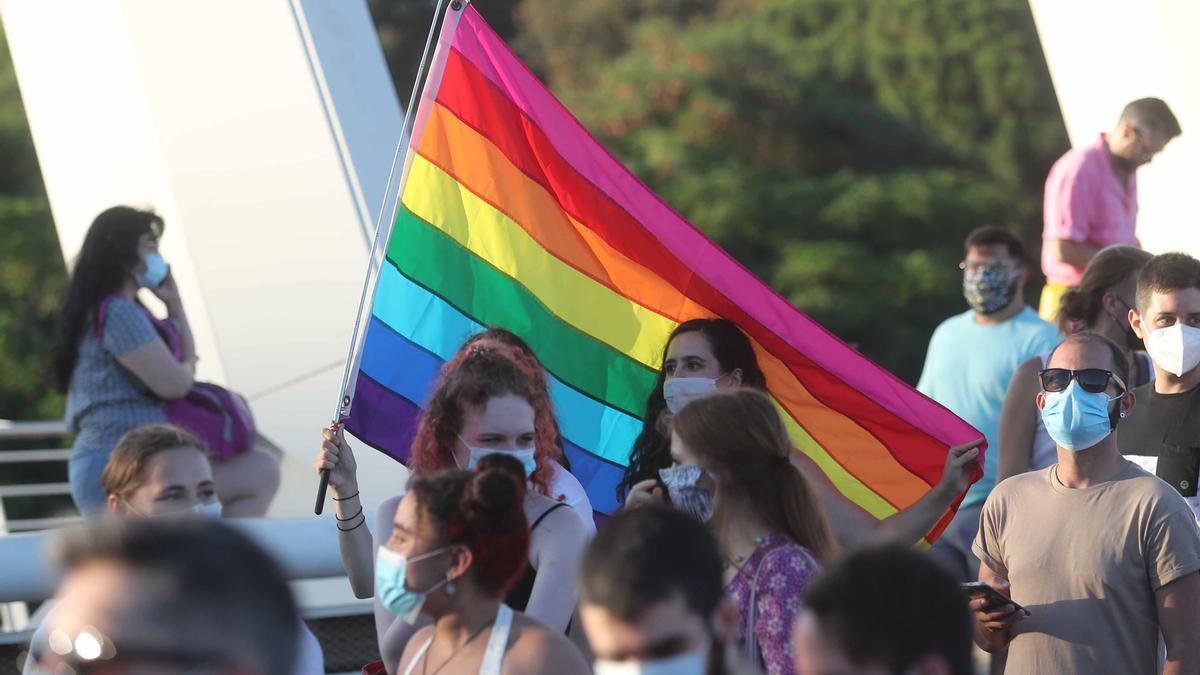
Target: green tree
[841,149]
[32,273]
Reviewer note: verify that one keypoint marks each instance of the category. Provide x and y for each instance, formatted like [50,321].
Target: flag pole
[382,233]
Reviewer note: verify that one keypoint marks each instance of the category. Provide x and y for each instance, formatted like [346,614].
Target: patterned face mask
[989,288]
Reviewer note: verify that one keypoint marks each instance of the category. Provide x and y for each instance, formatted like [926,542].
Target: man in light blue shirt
[972,357]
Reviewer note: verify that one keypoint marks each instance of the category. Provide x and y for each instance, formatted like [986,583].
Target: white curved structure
[263,131]
[1105,53]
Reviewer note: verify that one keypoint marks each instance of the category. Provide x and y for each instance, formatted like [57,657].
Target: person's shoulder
[565,487]
[1028,319]
[787,556]
[415,643]
[537,649]
[1136,480]
[955,323]
[1015,487]
[558,519]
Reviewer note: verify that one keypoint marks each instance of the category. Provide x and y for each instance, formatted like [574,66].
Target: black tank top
[518,595]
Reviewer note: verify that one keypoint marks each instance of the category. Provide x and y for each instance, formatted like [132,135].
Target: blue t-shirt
[968,368]
[104,400]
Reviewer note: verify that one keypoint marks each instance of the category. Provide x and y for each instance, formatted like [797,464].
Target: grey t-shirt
[104,400]
[1086,563]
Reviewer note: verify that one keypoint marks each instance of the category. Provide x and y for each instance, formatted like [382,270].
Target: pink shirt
[1085,202]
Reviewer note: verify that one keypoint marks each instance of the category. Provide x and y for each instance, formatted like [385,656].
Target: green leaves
[841,149]
[32,274]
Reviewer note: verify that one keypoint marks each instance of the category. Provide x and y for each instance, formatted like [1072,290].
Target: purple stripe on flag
[382,419]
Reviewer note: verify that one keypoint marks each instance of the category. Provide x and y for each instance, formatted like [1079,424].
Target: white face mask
[687,663]
[680,390]
[1175,349]
[211,511]
[526,456]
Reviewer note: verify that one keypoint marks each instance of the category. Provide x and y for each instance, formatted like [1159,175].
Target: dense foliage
[841,149]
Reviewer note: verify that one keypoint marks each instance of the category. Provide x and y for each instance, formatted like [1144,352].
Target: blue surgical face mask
[526,456]
[1077,419]
[391,583]
[156,271]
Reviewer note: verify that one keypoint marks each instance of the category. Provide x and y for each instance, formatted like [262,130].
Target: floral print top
[776,574]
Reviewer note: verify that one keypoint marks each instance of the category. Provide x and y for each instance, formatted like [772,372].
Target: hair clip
[478,349]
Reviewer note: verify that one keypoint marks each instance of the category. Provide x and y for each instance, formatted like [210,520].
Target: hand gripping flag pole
[383,231]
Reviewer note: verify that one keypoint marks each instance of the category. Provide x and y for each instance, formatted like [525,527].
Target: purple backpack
[219,417]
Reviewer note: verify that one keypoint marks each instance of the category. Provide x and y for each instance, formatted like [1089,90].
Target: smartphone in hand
[995,598]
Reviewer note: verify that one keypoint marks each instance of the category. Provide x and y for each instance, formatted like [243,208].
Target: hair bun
[497,489]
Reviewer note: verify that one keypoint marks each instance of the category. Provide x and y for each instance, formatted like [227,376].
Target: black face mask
[1130,338]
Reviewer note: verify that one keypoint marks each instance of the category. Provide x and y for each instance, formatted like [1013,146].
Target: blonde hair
[123,472]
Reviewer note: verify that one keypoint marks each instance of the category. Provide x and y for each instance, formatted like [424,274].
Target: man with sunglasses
[152,596]
[1097,555]
[1163,433]
[1091,196]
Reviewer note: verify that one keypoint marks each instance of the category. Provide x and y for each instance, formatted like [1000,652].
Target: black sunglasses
[1094,380]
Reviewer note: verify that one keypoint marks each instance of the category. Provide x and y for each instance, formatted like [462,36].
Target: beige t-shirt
[1086,563]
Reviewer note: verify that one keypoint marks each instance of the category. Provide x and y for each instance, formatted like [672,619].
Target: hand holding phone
[993,610]
[976,589]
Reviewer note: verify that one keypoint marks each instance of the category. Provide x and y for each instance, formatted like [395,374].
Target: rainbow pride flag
[511,214]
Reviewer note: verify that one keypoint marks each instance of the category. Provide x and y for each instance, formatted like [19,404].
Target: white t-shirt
[565,485]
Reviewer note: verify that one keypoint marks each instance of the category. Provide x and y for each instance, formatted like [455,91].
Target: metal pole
[343,400]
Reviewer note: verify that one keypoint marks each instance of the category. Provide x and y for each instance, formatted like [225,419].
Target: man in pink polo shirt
[1091,196]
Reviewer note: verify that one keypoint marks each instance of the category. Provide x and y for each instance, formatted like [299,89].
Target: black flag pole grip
[324,485]
[320,508]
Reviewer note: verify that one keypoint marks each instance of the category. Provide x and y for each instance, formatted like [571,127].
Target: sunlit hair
[1112,268]
[484,511]
[124,472]
[651,450]
[473,377]
[738,436]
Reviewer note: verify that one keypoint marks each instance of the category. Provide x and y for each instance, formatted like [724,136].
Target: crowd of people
[1077,551]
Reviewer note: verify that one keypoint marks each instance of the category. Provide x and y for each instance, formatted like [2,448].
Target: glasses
[92,653]
[1094,380]
[991,264]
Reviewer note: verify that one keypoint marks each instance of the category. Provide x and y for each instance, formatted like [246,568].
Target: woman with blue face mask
[482,406]
[117,370]
[459,540]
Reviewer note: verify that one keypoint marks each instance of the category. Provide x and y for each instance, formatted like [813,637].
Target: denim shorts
[83,470]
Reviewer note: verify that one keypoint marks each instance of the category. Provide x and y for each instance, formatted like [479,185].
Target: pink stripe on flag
[476,41]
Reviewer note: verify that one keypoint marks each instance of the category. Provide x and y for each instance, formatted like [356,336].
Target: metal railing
[32,431]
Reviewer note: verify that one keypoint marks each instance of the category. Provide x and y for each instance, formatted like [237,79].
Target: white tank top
[493,656]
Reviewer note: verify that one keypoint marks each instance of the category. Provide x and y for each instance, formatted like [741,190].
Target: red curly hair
[486,366]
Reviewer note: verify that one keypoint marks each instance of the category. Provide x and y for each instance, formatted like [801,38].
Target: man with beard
[972,357]
[1091,195]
